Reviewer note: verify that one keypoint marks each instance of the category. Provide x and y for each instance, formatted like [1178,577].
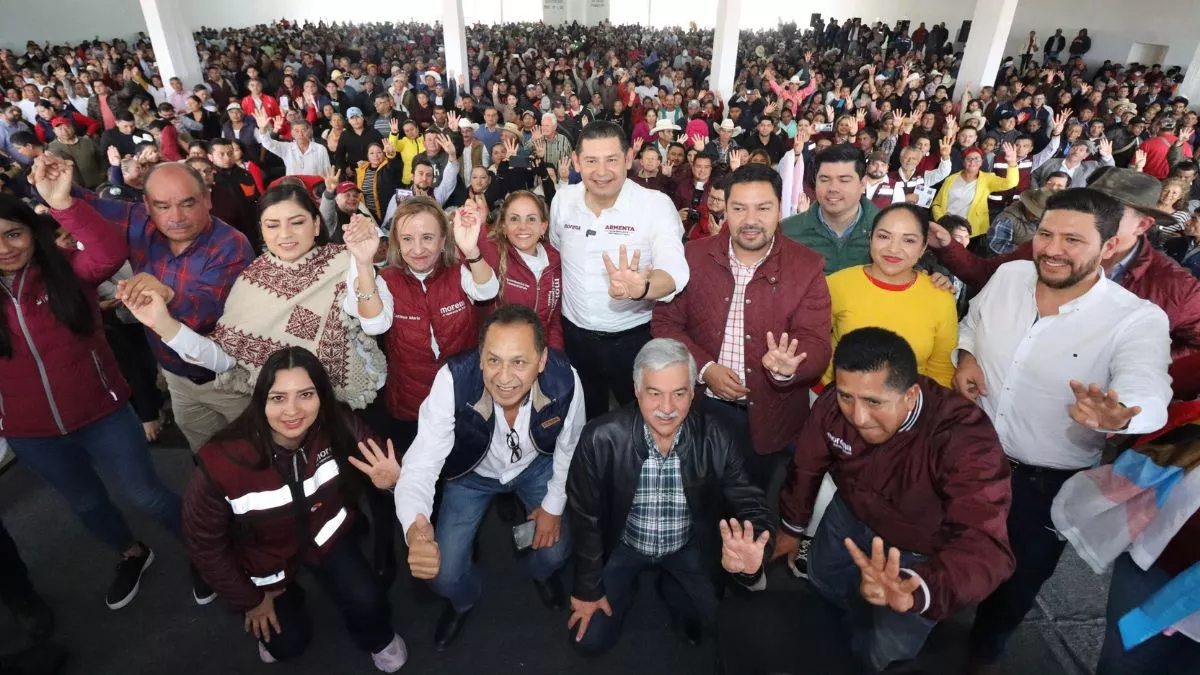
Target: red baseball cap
[59,121]
[346,186]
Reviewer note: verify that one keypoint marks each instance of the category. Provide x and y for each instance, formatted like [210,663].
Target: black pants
[1036,547]
[604,362]
[760,468]
[137,365]
[778,632]
[15,586]
[344,574]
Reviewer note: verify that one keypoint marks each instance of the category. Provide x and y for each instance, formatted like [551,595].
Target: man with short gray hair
[630,511]
[547,143]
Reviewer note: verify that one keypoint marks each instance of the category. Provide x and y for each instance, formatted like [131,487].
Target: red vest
[443,305]
[265,505]
[542,294]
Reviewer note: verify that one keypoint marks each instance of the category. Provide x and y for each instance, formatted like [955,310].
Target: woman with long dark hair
[517,249]
[276,492]
[64,406]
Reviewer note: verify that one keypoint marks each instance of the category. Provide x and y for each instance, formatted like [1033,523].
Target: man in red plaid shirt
[178,250]
[756,318]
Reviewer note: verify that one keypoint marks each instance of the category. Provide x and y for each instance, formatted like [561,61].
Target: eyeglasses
[514,446]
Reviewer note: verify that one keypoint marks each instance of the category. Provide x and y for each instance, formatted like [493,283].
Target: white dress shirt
[641,220]
[312,162]
[1108,336]
[435,439]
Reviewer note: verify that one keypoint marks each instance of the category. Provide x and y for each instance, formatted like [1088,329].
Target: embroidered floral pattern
[334,348]
[249,347]
[303,323]
[288,281]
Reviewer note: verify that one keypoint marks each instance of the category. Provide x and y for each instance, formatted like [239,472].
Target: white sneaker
[798,564]
[264,654]
[392,657]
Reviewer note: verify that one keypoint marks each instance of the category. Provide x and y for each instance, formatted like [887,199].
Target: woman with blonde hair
[422,299]
[528,268]
[1173,200]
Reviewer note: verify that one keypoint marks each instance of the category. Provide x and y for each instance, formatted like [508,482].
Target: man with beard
[748,288]
[1059,357]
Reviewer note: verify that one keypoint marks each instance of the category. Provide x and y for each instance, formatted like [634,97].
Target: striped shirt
[659,523]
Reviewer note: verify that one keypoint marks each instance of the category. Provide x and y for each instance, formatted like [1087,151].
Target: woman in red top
[64,406]
[423,300]
[528,268]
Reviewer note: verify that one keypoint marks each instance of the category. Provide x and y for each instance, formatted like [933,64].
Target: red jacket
[239,523]
[57,382]
[787,294]
[543,294]
[1151,276]
[1157,151]
[939,487]
[442,304]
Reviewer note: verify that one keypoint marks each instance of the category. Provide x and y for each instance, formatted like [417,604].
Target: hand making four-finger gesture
[782,359]
[627,280]
[1098,409]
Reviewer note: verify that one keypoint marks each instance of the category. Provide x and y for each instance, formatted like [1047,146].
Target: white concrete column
[990,26]
[1190,87]
[454,29]
[725,47]
[174,47]
[595,12]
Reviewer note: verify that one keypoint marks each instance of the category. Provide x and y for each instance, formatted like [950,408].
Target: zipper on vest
[37,357]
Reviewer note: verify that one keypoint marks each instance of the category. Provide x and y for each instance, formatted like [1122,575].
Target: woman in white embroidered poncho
[293,295]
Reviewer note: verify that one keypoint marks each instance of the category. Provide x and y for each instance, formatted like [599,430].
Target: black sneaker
[798,564]
[129,577]
[35,616]
[201,592]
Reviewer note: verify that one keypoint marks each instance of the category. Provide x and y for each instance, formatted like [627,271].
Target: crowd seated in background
[576,279]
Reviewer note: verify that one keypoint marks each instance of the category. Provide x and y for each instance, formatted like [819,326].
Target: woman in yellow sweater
[889,293]
[966,192]
[408,146]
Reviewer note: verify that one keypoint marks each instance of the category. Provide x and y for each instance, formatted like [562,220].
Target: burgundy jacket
[787,294]
[1151,276]
[542,294]
[240,523]
[57,382]
[446,308]
[939,487]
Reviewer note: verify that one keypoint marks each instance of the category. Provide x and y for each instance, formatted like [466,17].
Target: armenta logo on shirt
[457,307]
[621,230]
[839,443]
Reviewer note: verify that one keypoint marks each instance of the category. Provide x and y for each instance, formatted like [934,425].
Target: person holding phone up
[503,418]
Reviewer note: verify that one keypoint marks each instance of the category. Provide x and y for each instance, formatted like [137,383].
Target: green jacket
[839,254]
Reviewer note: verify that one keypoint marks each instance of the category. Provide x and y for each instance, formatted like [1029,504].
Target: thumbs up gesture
[424,556]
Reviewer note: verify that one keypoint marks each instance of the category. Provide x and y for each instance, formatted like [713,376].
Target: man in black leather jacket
[634,507]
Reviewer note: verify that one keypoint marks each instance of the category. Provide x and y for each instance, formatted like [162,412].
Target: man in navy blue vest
[501,419]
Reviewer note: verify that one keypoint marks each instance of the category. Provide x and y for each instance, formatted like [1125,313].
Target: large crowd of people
[580,283]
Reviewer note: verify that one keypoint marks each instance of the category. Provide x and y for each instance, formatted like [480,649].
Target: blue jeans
[464,502]
[687,588]
[879,635]
[1160,655]
[117,443]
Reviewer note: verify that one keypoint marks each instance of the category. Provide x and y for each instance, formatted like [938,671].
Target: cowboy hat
[664,125]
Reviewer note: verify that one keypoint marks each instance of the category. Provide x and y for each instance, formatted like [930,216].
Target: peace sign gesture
[1096,409]
[627,280]
[781,359]
[881,584]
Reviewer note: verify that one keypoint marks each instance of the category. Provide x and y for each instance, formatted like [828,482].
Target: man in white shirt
[301,156]
[607,305]
[1059,357]
[503,419]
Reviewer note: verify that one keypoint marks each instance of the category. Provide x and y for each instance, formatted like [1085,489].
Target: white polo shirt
[641,220]
[1107,336]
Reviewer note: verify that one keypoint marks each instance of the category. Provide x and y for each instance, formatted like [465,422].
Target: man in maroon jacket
[1136,265]
[756,317]
[917,466]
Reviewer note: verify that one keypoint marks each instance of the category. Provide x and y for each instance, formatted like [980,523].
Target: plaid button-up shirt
[201,275]
[659,523]
[733,345]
